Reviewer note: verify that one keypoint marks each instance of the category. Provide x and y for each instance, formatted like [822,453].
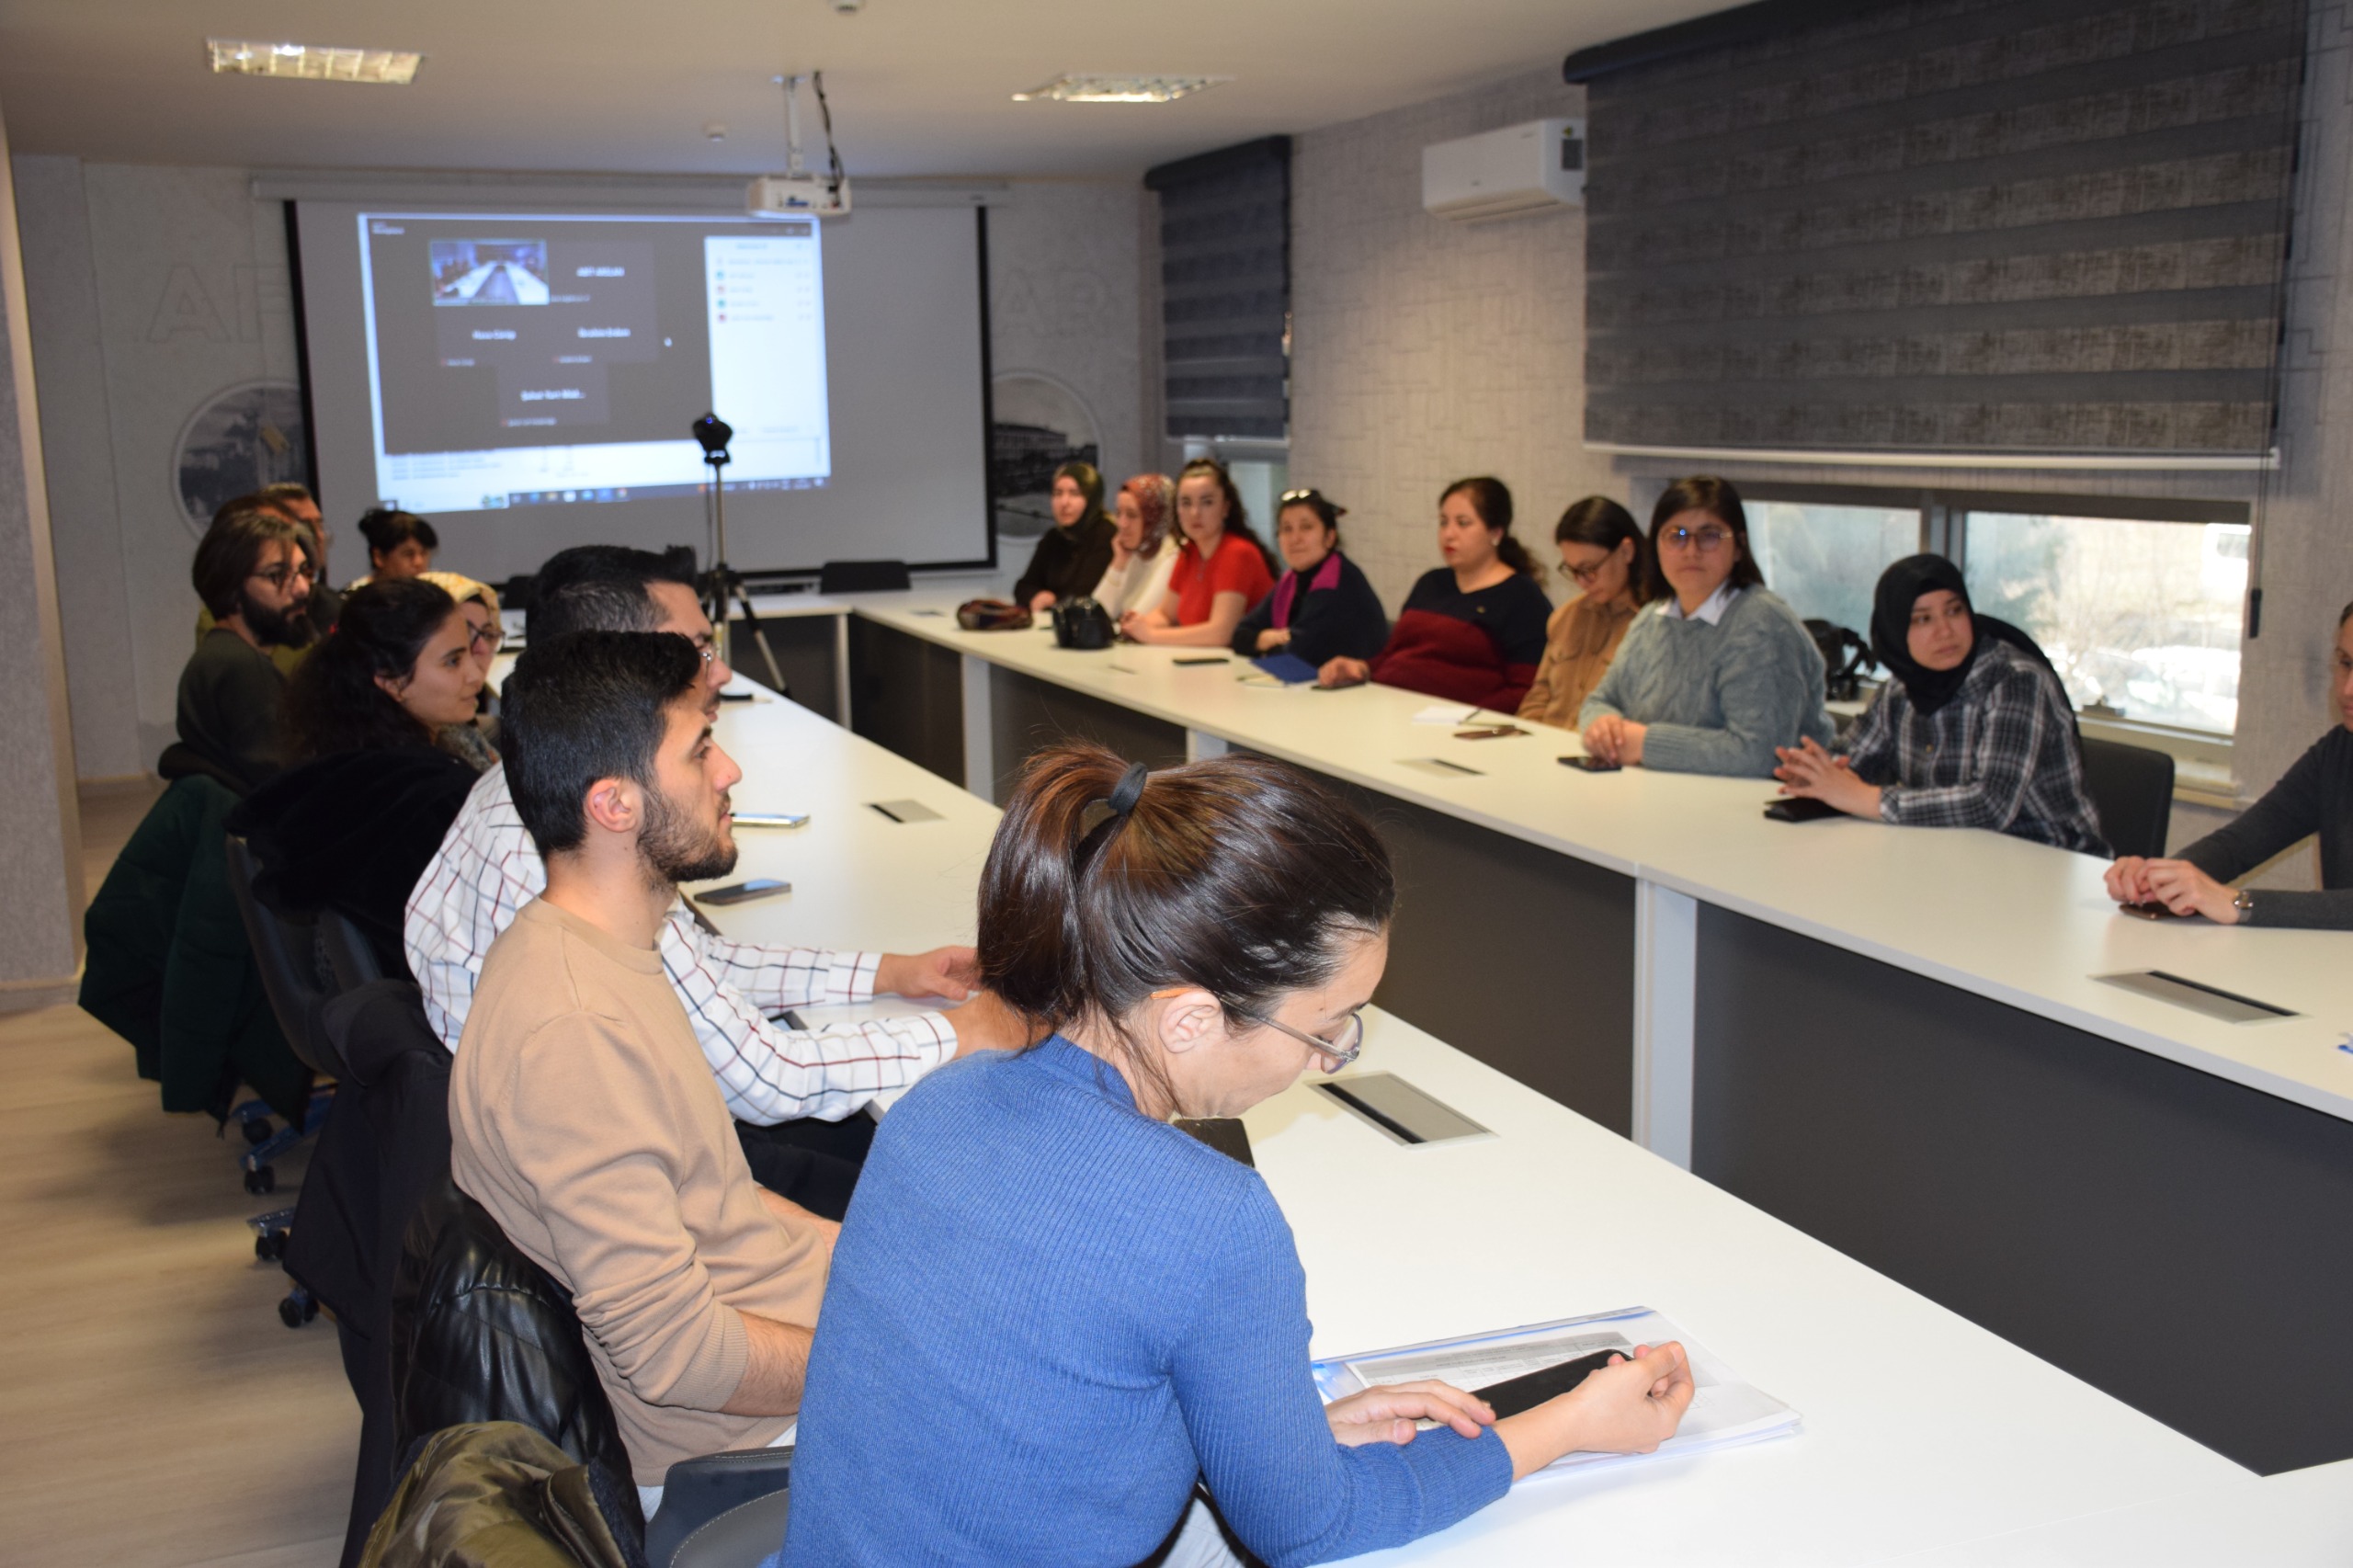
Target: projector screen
[528,379]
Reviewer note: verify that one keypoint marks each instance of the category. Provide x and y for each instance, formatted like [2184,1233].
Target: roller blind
[1225,289]
[1943,226]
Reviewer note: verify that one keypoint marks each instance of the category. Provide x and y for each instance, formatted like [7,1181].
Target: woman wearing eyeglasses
[1604,554]
[1720,672]
[475,741]
[1323,606]
[1473,630]
[375,787]
[1051,1314]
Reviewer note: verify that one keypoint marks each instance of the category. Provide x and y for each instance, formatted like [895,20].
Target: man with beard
[582,1114]
[254,572]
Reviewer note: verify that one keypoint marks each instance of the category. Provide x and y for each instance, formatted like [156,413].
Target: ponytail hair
[1238,874]
[1237,516]
[1491,499]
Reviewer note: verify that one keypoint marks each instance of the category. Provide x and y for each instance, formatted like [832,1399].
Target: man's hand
[2184,889]
[943,972]
[1615,739]
[1387,1415]
[795,1218]
[1811,773]
[1343,672]
[986,1024]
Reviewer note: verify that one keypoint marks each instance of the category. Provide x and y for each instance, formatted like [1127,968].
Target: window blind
[1976,226]
[1225,289]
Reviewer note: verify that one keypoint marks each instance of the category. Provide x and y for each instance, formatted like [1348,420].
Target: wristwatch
[2245,903]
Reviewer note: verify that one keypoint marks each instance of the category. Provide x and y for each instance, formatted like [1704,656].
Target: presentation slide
[529,380]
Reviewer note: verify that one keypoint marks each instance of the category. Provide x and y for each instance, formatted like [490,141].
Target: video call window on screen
[534,361]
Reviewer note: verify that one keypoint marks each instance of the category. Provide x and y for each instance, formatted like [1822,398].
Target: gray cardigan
[1716,698]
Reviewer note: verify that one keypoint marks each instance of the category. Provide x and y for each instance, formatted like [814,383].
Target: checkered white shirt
[487,869]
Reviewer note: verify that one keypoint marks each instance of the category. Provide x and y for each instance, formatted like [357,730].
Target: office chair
[862,576]
[2132,788]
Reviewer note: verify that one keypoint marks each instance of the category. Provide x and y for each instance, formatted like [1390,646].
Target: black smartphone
[2151,910]
[1590,765]
[1225,1134]
[744,892]
[1204,659]
[1532,1389]
[1801,808]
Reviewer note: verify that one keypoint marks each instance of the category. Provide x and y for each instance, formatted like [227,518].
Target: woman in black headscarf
[1972,728]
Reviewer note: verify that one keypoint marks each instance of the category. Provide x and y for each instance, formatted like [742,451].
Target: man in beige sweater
[582,1113]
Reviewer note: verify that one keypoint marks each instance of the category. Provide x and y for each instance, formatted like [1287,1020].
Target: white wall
[155,289]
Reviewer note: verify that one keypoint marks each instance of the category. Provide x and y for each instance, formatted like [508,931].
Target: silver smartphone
[771,819]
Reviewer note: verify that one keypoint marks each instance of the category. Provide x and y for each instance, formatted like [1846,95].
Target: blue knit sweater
[1048,1316]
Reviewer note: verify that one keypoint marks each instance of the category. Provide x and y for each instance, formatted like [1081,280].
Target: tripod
[723,586]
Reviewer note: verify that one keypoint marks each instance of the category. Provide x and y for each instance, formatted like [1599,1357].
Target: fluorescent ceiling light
[1077,89]
[310,61]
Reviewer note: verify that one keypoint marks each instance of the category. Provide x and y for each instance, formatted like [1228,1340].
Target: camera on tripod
[722,587]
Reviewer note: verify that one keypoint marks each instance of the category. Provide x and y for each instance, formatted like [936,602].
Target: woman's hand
[1138,625]
[1615,739]
[1343,672]
[1042,601]
[1274,637]
[1628,1407]
[1811,773]
[1387,1415]
[2184,889]
[2128,880]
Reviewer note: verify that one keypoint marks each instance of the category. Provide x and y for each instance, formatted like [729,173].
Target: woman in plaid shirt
[1972,728]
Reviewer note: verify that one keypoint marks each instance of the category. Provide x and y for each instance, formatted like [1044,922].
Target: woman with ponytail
[1051,1314]
[1473,630]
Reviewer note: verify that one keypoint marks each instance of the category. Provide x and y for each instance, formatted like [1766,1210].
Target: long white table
[1923,1433]
[1897,1040]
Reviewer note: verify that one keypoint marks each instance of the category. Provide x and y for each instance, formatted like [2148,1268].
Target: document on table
[1456,713]
[1726,1410]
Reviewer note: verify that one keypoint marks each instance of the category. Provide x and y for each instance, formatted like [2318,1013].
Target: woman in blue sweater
[1051,1315]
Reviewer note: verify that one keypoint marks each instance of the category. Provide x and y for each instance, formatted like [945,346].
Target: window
[1825,559]
[2138,602]
[2140,620]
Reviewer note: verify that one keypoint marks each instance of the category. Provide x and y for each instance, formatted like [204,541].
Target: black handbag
[1083,623]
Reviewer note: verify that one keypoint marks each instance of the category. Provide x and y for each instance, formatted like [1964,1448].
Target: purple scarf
[1326,576]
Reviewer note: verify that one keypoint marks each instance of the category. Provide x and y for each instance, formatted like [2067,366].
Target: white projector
[797,195]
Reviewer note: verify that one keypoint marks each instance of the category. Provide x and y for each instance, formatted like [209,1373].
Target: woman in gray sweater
[1717,672]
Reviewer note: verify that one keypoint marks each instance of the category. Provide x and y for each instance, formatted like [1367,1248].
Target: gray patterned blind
[1225,289]
[1943,225]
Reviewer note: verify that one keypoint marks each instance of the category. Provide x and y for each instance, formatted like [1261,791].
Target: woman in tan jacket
[1601,552]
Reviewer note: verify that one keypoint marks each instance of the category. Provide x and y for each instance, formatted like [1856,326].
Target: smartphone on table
[1590,765]
[744,892]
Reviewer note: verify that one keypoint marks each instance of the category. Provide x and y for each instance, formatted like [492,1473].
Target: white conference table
[1922,1433]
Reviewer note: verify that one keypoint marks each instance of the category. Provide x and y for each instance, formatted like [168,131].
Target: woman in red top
[1221,569]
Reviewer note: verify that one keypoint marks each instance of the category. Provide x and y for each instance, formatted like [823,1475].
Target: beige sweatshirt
[582,1117]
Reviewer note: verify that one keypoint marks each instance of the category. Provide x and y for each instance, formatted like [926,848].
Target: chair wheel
[258,1131]
[290,1313]
[309,1308]
[270,1246]
[261,1179]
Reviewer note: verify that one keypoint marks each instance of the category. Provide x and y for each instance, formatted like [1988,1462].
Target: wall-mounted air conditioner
[1521,168]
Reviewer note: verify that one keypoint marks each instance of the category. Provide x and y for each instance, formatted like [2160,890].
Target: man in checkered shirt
[487,869]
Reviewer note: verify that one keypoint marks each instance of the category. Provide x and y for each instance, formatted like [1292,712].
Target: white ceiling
[918,86]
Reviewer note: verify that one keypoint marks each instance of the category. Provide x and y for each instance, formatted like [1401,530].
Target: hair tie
[1096,822]
[1130,790]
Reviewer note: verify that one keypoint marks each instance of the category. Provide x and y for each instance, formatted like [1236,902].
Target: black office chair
[862,576]
[350,956]
[2132,788]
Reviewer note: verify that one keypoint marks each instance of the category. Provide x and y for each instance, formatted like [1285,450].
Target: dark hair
[386,531]
[1598,521]
[1701,492]
[586,706]
[2343,616]
[1237,516]
[286,490]
[1238,874]
[334,704]
[1090,484]
[1491,499]
[231,550]
[1316,501]
[599,587]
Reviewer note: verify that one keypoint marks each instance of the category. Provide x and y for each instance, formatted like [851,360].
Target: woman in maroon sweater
[1473,630]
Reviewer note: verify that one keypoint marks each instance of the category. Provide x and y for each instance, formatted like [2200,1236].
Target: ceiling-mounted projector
[797,193]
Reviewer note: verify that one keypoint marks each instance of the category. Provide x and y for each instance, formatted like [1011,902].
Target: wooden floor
[153,1409]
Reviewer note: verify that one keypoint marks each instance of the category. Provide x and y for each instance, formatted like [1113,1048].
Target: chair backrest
[862,576]
[285,951]
[2132,787]
[181,761]
[480,1333]
[350,956]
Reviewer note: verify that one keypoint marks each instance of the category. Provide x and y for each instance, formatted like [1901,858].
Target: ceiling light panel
[1079,89]
[311,61]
